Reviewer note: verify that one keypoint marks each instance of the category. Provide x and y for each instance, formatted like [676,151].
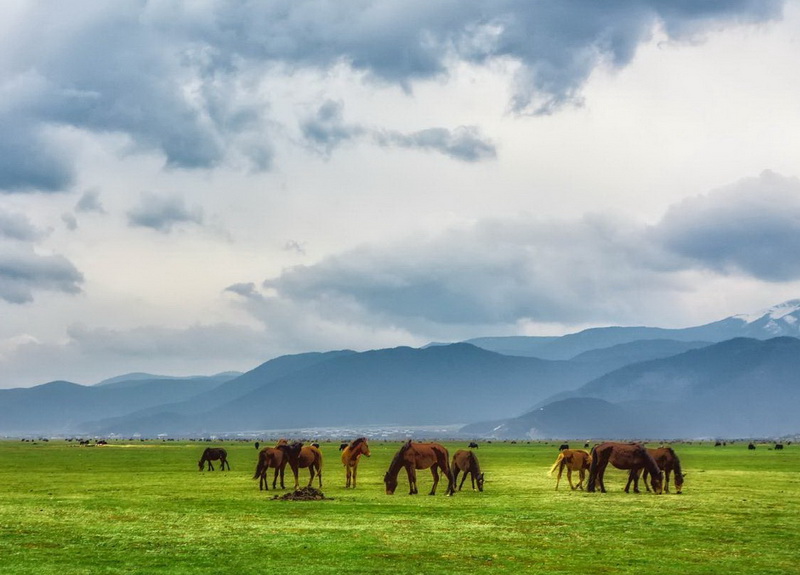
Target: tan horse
[574,460]
[413,456]
[667,461]
[350,456]
[305,456]
[629,456]
[467,461]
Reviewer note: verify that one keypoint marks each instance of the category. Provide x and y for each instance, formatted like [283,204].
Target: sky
[196,187]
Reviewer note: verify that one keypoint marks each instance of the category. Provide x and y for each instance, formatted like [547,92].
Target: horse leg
[319,474]
[435,473]
[601,470]
[348,475]
[645,475]
[666,480]
[581,476]
[412,480]
[631,479]
[569,478]
[471,479]
[560,471]
[310,474]
[355,468]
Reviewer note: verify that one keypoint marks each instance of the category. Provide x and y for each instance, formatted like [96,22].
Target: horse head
[200,464]
[679,482]
[657,482]
[363,446]
[480,482]
[391,483]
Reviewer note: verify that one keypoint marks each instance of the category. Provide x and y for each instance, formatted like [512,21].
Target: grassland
[145,508]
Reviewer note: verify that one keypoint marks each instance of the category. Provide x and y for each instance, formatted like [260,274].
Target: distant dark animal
[473,445]
[667,461]
[622,456]
[343,445]
[574,460]
[413,456]
[315,445]
[270,457]
[257,444]
[751,446]
[586,445]
[301,456]
[467,462]
[213,454]
[718,444]
[563,446]
[350,457]
[779,446]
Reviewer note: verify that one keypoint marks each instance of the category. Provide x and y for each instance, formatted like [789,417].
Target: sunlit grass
[66,509]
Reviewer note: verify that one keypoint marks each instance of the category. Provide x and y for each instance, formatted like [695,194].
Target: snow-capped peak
[782,310]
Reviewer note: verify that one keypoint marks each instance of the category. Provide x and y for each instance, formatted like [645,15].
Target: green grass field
[145,508]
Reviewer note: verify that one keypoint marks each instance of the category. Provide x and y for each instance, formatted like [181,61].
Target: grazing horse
[473,445]
[274,457]
[350,456]
[467,462]
[563,446]
[415,456]
[574,460]
[668,462]
[304,456]
[622,456]
[213,454]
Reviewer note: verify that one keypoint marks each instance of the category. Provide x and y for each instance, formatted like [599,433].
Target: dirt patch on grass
[303,494]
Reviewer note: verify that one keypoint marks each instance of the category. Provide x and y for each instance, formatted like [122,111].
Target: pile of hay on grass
[303,494]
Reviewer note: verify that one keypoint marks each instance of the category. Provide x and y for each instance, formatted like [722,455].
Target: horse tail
[590,487]
[260,466]
[556,464]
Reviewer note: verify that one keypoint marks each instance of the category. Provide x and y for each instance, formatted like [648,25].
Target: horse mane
[397,460]
[356,442]
[650,463]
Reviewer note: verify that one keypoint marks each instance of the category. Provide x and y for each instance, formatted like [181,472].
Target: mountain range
[738,377]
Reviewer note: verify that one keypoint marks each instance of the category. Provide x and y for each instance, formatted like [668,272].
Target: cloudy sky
[194,187]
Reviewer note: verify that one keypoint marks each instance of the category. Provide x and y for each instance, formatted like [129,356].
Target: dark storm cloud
[17,227]
[327,130]
[162,213]
[22,272]
[593,269]
[464,143]
[90,202]
[751,228]
[178,78]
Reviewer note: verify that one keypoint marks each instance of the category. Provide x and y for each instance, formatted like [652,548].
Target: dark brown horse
[630,456]
[213,454]
[350,456]
[574,460]
[304,456]
[415,456]
[274,457]
[667,461]
[466,461]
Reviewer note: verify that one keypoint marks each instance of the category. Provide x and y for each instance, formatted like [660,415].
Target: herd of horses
[654,464]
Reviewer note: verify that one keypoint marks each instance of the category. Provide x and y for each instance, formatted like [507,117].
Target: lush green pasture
[145,508]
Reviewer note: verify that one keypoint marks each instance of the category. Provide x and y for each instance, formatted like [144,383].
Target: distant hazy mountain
[62,407]
[442,385]
[621,381]
[738,388]
[780,320]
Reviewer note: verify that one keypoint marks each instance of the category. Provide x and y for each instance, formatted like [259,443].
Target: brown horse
[213,454]
[415,456]
[466,461]
[667,461]
[274,457]
[304,456]
[622,456]
[350,456]
[574,460]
